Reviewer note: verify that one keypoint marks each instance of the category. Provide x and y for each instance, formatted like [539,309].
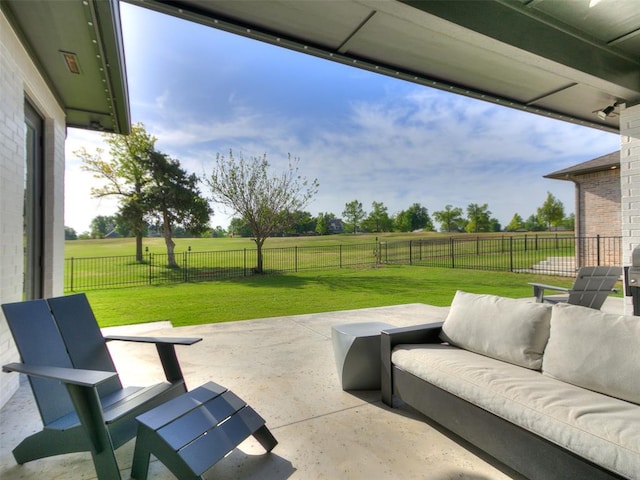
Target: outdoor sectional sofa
[552,392]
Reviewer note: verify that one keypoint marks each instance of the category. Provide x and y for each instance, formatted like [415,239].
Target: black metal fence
[550,255]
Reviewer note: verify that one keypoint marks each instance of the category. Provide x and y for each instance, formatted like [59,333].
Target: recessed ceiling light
[72,62]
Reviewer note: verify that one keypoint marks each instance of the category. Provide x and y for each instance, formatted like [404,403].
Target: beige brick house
[598,208]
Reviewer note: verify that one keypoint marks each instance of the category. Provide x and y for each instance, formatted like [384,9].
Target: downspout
[577,228]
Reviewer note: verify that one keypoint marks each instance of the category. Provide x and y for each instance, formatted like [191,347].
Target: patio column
[630,185]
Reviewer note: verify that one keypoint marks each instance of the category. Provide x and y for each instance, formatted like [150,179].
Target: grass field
[96,264]
[126,246]
[308,292]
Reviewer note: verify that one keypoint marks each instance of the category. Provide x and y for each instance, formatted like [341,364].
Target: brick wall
[19,78]
[598,196]
[599,200]
[11,170]
[630,183]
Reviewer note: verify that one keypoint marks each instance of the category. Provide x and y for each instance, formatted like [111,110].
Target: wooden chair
[590,289]
[81,400]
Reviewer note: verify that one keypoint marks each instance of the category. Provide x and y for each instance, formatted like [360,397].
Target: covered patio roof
[565,60]
[77,45]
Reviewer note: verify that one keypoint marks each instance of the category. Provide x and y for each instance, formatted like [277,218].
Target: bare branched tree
[264,200]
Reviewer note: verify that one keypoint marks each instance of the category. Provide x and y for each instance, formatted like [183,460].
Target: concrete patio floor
[283,367]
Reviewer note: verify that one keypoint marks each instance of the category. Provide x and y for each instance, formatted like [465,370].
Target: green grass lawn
[126,246]
[265,296]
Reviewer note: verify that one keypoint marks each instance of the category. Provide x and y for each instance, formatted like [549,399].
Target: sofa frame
[521,450]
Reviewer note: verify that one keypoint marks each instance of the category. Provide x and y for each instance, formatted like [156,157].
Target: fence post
[410,252]
[452,252]
[598,249]
[511,254]
[184,267]
[150,271]
[525,242]
[340,255]
[71,281]
[244,266]
[295,259]
[478,246]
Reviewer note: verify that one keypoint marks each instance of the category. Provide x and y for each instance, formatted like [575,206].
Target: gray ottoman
[356,347]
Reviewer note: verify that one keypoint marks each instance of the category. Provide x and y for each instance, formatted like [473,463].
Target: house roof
[610,161]
[77,45]
[565,60]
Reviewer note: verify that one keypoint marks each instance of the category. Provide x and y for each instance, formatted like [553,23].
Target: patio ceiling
[565,60]
[77,44]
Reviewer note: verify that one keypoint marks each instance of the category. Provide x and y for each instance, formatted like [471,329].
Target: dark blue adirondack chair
[81,400]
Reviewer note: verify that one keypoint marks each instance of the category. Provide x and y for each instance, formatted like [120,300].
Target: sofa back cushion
[514,331]
[595,350]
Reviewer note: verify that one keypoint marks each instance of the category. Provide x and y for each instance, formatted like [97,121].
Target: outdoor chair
[591,288]
[81,400]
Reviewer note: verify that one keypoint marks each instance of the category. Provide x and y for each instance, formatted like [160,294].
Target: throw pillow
[595,350]
[514,331]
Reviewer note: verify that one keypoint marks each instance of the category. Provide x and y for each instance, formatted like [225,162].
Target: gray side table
[356,347]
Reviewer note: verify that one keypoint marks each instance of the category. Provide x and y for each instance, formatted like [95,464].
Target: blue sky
[364,136]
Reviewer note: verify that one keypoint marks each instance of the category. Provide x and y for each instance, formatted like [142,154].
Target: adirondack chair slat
[83,338]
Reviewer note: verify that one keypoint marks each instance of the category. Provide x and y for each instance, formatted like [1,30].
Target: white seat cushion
[600,428]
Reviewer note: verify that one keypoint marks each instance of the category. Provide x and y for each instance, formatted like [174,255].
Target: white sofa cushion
[597,427]
[595,350]
[515,331]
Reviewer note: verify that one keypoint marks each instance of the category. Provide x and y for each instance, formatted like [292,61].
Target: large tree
[299,222]
[102,225]
[378,219]
[479,218]
[516,223]
[416,217]
[263,199]
[70,234]
[323,223]
[239,227]
[551,212]
[353,213]
[172,198]
[450,219]
[124,174]
[533,224]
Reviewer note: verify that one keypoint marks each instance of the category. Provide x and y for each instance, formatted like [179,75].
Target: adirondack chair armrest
[83,391]
[539,288]
[156,340]
[166,351]
[69,376]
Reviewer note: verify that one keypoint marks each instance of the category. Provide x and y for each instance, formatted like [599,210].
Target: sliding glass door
[33,203]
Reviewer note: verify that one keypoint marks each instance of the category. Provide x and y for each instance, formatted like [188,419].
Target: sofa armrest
[426,333]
